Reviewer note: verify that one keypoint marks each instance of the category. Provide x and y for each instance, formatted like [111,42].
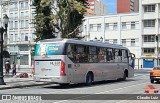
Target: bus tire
[124,75]
[89,79]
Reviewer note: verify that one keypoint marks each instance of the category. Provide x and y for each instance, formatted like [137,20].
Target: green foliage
[69,17]
[43,24]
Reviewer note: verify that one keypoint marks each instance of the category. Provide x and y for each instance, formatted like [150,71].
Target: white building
[20,34]
[137,31]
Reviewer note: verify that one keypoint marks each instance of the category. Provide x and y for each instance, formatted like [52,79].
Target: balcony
[149,15]
[149,30]
[148,45]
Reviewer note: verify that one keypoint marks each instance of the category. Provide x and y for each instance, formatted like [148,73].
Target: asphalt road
[97,91]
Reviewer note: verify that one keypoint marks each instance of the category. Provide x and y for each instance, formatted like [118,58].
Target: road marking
[101,92]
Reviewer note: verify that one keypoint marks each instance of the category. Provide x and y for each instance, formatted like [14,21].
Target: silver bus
[67,61]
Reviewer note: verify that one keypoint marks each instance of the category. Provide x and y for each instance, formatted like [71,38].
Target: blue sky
[111,6]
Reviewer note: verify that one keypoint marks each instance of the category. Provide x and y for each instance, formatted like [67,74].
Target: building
[127,6]
[137,31]
[117,29]
[150,29]
[97,6]
[20,34]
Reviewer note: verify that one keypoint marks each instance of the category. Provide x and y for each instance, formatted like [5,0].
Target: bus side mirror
[132,56]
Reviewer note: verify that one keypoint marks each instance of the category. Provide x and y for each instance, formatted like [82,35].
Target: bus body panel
[47,68]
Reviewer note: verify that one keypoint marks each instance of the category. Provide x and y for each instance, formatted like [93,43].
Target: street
[136,85]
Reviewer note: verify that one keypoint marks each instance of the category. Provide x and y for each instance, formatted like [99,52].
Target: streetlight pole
[2,30]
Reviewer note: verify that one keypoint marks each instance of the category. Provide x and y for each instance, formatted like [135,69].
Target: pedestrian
[7,67]
[13,68]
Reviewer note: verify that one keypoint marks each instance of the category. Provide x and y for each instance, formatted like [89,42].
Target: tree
[66,16]
[69,17]
[43,24]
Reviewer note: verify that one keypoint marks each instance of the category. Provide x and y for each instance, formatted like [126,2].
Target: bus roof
[77,41]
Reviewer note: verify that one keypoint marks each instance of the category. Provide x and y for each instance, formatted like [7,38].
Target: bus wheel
[124,75]
[89,79]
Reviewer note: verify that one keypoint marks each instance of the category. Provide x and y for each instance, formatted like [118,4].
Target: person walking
[7,67]
[13,68]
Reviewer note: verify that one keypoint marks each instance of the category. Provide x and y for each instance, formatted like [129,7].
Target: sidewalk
[17,82]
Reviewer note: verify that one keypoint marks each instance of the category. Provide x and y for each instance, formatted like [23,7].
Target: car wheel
[89,79]
[152,81]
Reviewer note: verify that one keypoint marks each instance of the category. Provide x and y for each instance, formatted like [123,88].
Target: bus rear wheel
[124,76]
[89,79]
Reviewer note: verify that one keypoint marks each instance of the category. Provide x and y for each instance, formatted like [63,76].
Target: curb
[25,85]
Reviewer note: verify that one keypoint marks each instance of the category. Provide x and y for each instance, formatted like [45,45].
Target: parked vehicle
[155,74]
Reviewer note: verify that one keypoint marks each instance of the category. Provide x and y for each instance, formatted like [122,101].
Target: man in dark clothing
[7,67]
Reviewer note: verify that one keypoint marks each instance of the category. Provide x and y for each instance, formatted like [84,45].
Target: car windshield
[156,68]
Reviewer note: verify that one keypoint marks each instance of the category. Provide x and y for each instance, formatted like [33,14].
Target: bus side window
[101,57]
[92,55]
[109,55]
[70,51]
[124,56]
[80,55]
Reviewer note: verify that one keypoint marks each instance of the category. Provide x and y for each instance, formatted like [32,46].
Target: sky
[111,6]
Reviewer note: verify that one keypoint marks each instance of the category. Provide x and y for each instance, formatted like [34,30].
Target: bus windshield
[49,49]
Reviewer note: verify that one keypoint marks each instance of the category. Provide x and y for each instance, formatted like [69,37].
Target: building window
[11,38]
[11,24]
[16,37]
[22,14]
[22,23]
[26,24]
[24,37]
[149,8]
[114,26]
[114,41]
[149,23]
[106,26]
[16,24]
[124,42]
[91,27]
[149,38]
[132,6]
[13,6]
[133,25]
[98,27]
[33,36]
[11,15]
[21,5]
[26,5]
[123,25]
[132,42]
[148,50]
[16,15]
[26,14]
